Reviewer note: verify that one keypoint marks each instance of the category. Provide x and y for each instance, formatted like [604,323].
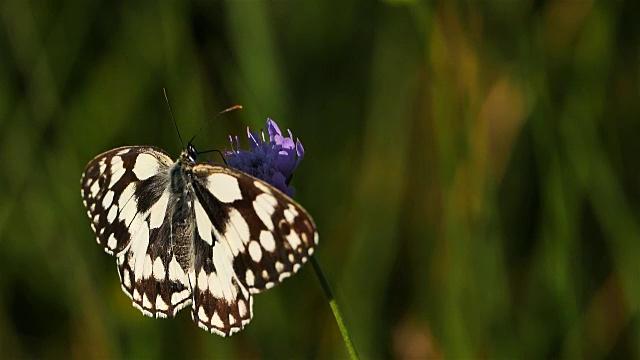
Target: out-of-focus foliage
[472,167]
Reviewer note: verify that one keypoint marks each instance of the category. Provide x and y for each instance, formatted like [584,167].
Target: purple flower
[272,161]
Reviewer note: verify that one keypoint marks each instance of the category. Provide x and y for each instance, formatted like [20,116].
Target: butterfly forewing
[267,234]
[109,185]
[193,233]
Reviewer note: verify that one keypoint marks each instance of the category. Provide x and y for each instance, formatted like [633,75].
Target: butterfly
[189,233]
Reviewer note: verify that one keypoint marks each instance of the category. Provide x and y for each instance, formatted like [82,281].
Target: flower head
[272,161]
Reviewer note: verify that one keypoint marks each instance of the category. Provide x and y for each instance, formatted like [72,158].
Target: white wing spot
[177,297]
[158,211]
[224,268]
[231,319]
[139,244]
[117,170]
[269,285]
[125,278]
[293,239]
[146,166]
[145,301]
[214,285]
[175,271]
[113,212]
[268,200]
[202,280]
[249,277]
[112,242]
[255,251]
[237,234]
[108,199]
[202,315]
[289,215]
[128,204]
[95,189]
[279,266]
[203,223]
[293,210]
[216,321]
[242,308]
[123,151]
[148,267]
[158,269]
[296,267]
[260,185]
[263,214]
[160,304]
[267,241]
[224,187]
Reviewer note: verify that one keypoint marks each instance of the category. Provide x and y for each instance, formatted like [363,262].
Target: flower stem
[336,310]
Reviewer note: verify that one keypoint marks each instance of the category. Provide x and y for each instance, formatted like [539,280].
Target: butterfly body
[188,233]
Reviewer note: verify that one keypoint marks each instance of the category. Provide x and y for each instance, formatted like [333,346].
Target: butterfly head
[191,153]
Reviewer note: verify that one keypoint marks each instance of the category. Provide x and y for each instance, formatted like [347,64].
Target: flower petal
[273,161]
[278,181]
[272,128]
[299,151]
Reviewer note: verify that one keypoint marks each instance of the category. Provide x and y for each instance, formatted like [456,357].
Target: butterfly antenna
[215,150]
[172,118]
[234,107]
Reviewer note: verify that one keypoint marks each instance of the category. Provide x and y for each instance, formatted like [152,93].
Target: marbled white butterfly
[194,233]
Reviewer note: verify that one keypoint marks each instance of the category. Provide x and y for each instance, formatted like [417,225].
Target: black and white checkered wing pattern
[266,234]
[109,188]
[126,194]
[252,236]
[221,303]
[187,233]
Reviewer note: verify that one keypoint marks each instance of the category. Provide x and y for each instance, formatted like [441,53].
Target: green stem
[336,310]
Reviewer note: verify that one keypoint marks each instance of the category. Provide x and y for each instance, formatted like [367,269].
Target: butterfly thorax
[181,208]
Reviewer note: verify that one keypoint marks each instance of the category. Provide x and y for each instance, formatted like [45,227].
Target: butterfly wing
[221,303]
[267,235]
[126,194]
[110,191]
[250,235]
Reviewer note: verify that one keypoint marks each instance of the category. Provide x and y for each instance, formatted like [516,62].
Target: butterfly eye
[192,153]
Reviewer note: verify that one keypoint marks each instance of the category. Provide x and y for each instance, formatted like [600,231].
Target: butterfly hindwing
[221,303]
[153,274]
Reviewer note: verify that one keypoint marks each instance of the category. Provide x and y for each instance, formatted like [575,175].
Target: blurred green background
[472,168]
